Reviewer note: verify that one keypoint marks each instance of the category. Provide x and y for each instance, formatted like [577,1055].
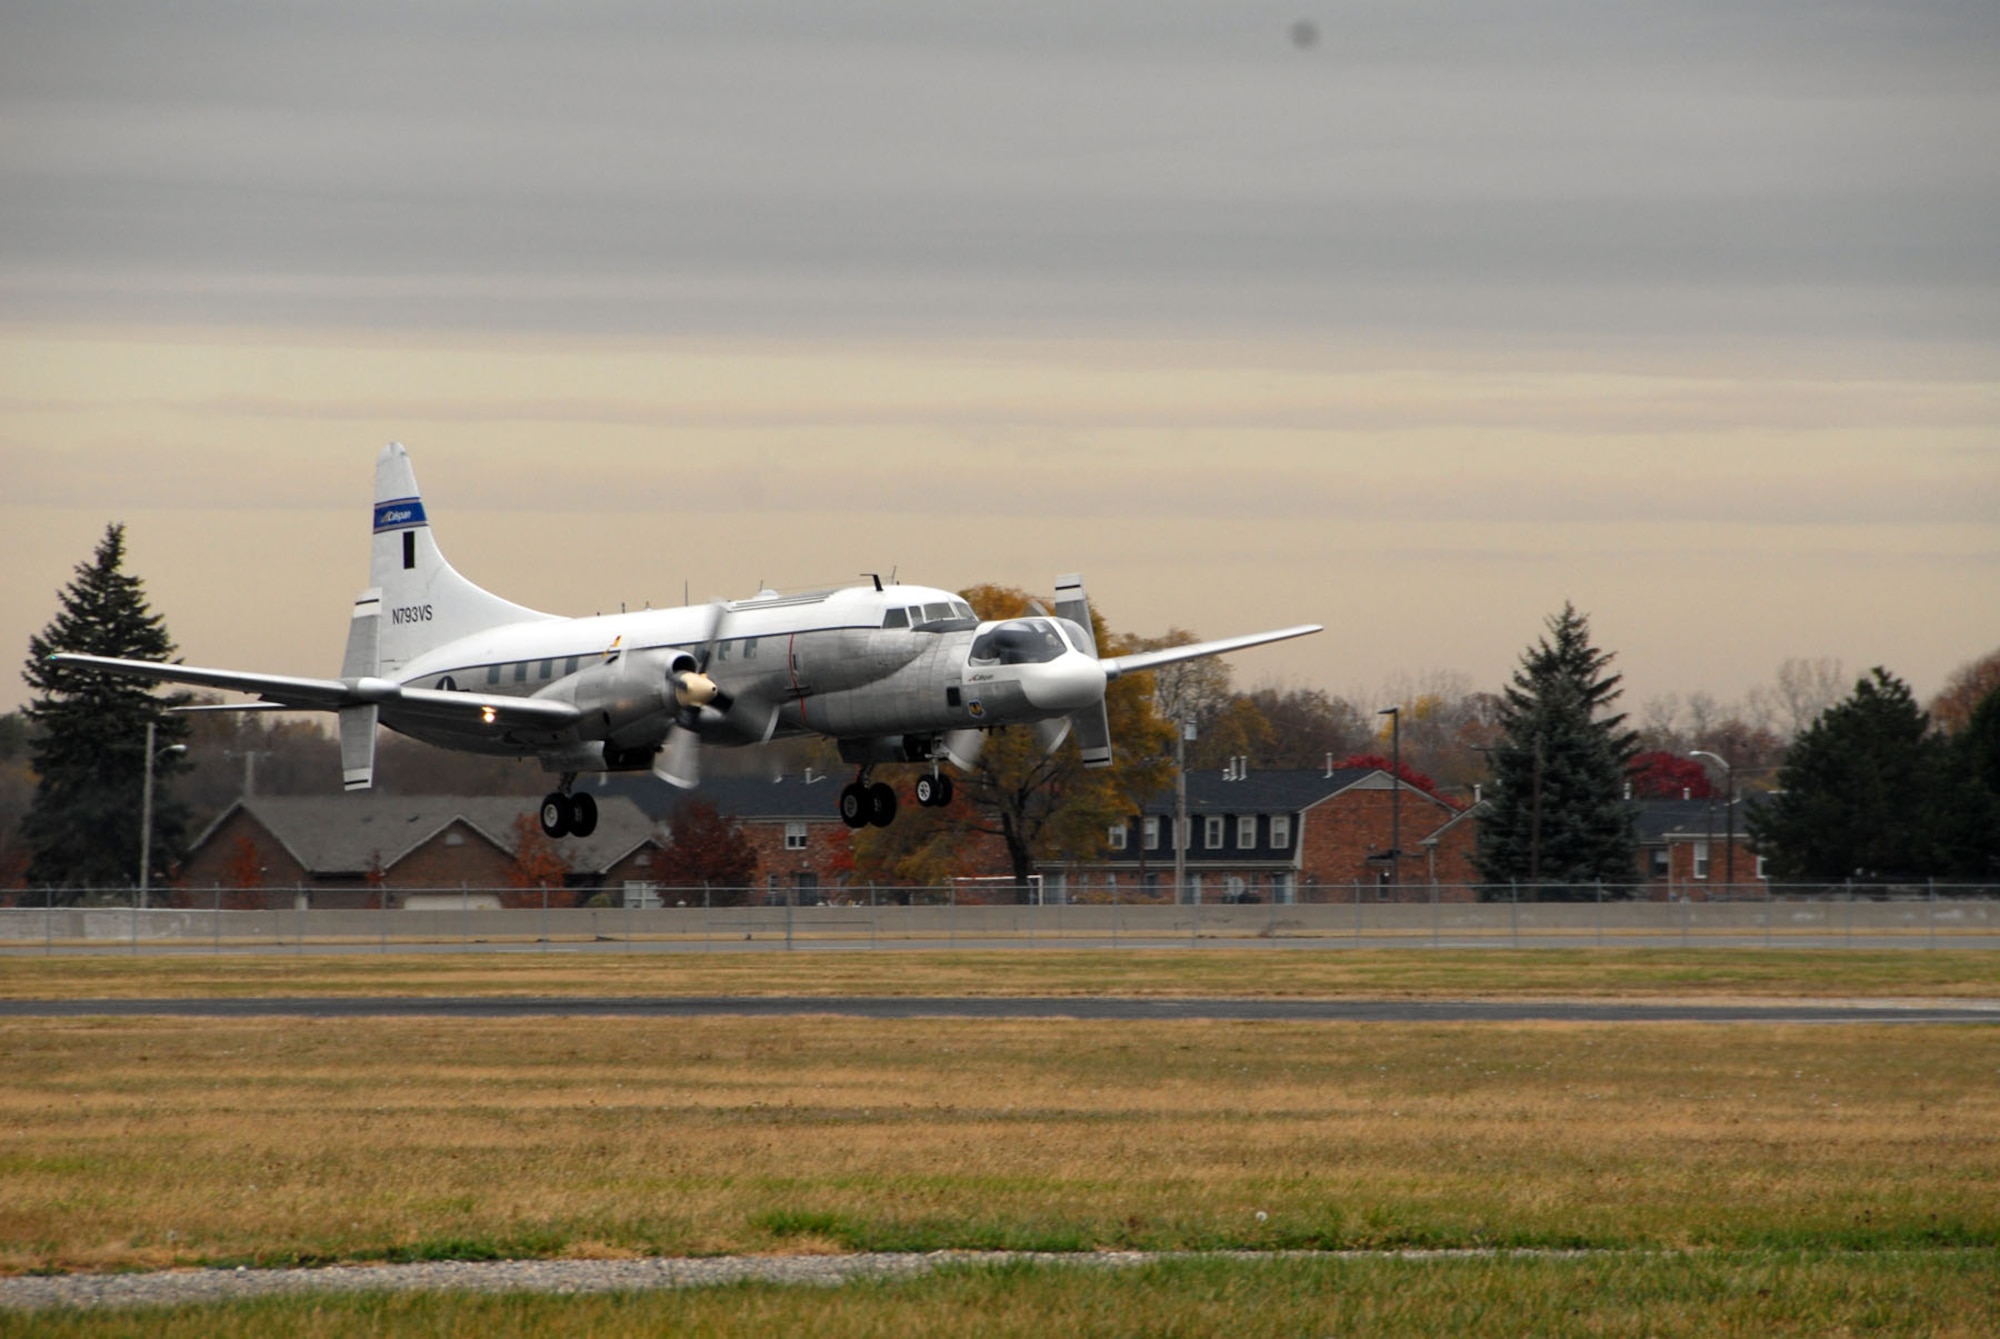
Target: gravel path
[564,1276]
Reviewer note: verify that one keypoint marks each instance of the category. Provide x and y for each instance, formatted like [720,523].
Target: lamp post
[1182,735]
[1395,715]
[1729,815]
[153,755]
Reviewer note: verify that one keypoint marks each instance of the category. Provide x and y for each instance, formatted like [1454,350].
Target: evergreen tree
[1857,794]
[1969,808]
[89,749]
[1557,810]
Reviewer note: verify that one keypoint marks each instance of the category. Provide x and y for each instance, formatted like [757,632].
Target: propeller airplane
[893,673]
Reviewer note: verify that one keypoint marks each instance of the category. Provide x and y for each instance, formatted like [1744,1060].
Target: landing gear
[862,804]
[567,815]
[934,791]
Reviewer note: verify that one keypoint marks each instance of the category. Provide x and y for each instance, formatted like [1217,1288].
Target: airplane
[894,673]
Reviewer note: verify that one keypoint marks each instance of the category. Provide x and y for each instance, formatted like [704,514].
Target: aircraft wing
[281,690]
[1170,655]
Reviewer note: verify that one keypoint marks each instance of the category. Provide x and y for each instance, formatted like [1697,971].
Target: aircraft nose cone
[1070,682]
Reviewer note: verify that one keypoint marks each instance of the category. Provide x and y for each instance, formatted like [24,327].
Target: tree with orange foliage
[538,862]
[1951,710]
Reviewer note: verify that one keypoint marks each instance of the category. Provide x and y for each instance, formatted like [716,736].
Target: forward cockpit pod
[1050,658]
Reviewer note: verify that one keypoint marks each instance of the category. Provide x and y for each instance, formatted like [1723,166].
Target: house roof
[345,834]
[1664,820]
[1277,791]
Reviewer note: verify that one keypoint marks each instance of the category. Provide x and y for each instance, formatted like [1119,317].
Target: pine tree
[1557,812]
[1857,794]
[90,747]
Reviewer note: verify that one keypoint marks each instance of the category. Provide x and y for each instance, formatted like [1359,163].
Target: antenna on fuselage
[876,577]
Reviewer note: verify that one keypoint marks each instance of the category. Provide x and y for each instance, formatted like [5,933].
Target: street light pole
[1395,715]
[1729,816]
[1183,732]
[146,809]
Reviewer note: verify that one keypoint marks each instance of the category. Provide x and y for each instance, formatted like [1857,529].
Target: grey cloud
[1636,168]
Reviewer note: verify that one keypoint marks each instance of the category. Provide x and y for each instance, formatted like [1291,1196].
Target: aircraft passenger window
[1020,641]
[749,648]
[721,651]
[569,666]
[548,669]
[896,618]
[521,672]
[493,674]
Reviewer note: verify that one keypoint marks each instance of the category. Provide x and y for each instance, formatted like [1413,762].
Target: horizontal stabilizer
[1173,655]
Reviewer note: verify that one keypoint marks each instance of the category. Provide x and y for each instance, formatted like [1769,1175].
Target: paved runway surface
[1094,1008]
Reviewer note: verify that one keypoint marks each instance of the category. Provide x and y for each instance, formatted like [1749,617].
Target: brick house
[348,851]
[1284,836]
[1684,850]
[792,822]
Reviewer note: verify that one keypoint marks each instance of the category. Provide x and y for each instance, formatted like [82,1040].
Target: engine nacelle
[629,702]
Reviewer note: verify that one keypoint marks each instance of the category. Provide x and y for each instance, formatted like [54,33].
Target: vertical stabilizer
[424,601]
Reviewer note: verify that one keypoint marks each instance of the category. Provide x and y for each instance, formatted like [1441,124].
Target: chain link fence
[997,914]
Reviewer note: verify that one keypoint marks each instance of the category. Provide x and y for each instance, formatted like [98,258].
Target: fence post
[1514,909]
[1600,913]
[382,897]
[951,892]
[1114,909]
[48,919]
[1434,912]
[545,918]
[1932,882]
[1357,913]
[135,920]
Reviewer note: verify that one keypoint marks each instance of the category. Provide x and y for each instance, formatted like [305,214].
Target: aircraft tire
[943,791]
[881,804]
[927,791]
[556,814]
[855,807]
[582,815]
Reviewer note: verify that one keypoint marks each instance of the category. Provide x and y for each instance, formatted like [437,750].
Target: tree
[538,861]
[1558,813]
[1661,775]
[89,752]
[707,849]
[1405,772]
[1968,803]
[1856,796]
[1969,685]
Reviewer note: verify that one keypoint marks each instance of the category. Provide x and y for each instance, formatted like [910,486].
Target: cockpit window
[1020,641]
[963,610]
[896,618]
[937,613]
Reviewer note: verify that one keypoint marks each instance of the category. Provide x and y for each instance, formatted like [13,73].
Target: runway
[1094,1008]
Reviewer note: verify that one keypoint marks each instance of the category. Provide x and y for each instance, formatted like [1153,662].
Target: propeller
[679,764]
[1092,725]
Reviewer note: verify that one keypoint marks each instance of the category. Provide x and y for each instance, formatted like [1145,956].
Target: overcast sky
[1413,319]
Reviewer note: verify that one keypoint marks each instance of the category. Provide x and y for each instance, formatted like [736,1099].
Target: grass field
[1604,973]
[1830,1179]
[1724,1293]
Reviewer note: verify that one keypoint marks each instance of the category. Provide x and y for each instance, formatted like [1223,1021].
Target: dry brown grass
[153,1142]
[1600,973]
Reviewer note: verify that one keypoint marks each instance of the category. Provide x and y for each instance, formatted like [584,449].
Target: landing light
[488,715]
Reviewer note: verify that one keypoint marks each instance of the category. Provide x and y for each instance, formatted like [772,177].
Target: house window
[1246,832]
[1659,866]
[1760,868]
[1701,860]
[1152,834]
[1281,832]
[1211,835]
[1283,889]
[1115,837]
[795,834]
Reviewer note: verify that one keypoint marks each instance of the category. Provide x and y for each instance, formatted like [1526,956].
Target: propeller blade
[718,614]
[679,763]
[962,747]
[1051,734]
[1093,735]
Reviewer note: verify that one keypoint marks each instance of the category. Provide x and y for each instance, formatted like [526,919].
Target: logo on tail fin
[403,514]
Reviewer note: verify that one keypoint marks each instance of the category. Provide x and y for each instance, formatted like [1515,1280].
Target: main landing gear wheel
[881,804]
[558,815]
[582,815]
[934,792]
[855,806]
